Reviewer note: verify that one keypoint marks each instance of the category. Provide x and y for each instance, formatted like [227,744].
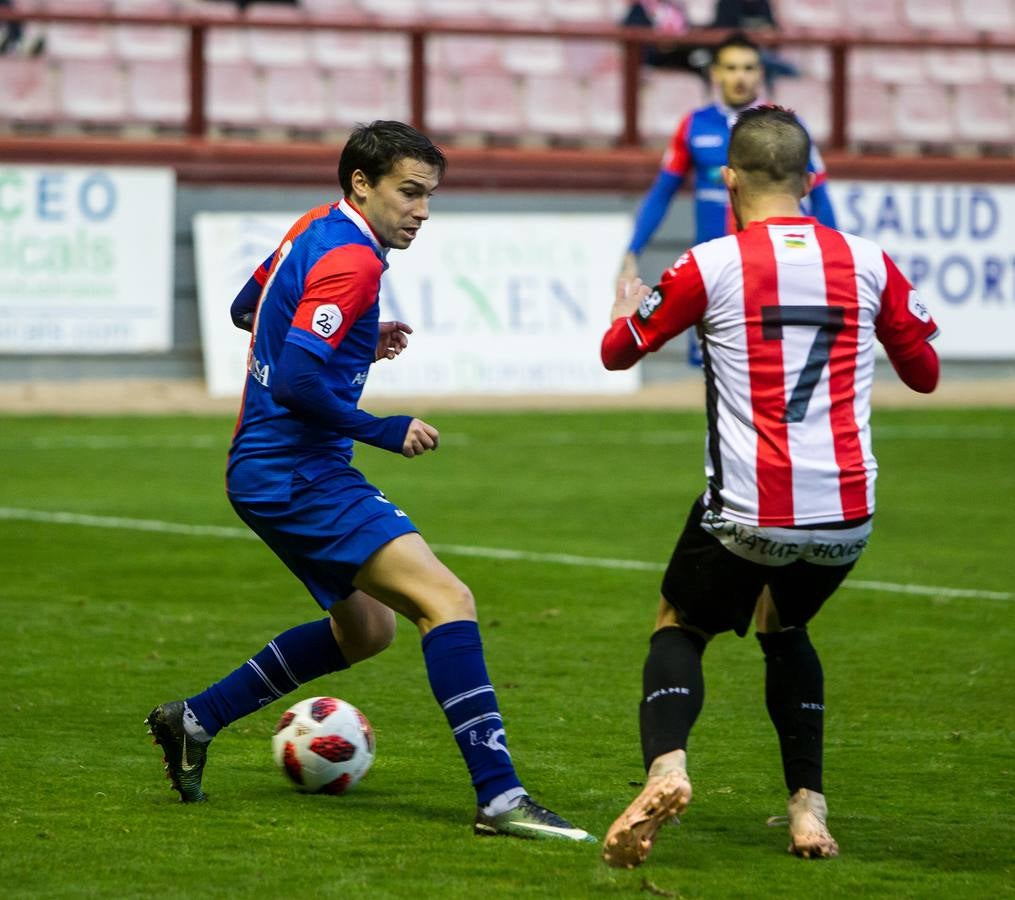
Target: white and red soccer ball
[324,745]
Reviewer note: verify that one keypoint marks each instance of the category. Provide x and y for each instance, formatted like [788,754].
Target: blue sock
[295,656]
[454,663]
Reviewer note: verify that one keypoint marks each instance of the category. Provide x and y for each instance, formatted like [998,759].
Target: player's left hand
[629,296]
[393,339]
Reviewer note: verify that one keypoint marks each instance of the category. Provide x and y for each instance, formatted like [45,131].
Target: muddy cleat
[809,836]
[184,757]
[530,820]
[629,840]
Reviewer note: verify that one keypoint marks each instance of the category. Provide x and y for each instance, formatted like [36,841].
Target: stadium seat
[158,92]
[871,113]
[810,99]
[588,57]
[342,49]
[392,9]
[887,66]
[984,113]
[392,51]
[923,112]
[78,40]
[519,12]
[294,97]
[327,9]
[490,103]
[454,9]
[362,95]
[664,98]
[810,14]
[1001,64]
[554,104]
[26,89]
[988,15]
[955,66]
[700,13]
[464,53]
[813,62]
[233,95]
[534,56]
[156,42]
[932,15]
[226,46]
[876,17]
[276,46]
[579,12]
[92,92]
[603,104]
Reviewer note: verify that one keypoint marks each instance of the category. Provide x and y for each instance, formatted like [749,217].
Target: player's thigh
[711,589]
[799,590]
[405,575]
[362,625]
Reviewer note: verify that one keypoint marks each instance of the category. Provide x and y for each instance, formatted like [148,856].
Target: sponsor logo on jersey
[649,304]
[327,320]
[795,241]
[258,370]
[707,140]
[917,308]
[359,378]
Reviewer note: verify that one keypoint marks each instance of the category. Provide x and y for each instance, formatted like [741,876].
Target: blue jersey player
[700,146]
[313,312]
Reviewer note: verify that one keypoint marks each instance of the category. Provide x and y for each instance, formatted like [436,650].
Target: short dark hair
[376,148]
[770,148]
[737,39]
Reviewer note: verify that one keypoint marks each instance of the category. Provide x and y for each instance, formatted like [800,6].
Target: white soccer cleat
[630,838]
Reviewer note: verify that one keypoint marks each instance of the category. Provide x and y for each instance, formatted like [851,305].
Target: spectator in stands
[754,15]
[666,17]
[11,33]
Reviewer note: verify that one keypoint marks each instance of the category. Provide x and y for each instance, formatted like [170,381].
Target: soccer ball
[324,745]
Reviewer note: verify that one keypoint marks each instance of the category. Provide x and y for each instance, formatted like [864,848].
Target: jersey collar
[784,220]
[356,217]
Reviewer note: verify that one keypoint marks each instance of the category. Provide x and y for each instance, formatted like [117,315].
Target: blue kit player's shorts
[327,530]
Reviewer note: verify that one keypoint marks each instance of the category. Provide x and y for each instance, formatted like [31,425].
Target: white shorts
[782,546]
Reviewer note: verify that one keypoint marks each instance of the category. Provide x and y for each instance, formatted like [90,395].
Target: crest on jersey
[327,320]
[649,304]
[795,241]
[917,308]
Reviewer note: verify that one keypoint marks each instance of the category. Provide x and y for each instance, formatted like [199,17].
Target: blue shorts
[327,530]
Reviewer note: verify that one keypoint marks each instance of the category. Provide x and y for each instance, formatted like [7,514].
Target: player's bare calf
[808,831]
[666,794]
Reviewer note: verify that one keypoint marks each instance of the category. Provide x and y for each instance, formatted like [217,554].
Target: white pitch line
[563,559]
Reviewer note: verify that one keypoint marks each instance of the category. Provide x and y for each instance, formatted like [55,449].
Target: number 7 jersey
[788,311]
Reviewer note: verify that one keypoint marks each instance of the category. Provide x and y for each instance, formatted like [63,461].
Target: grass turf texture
[100,624]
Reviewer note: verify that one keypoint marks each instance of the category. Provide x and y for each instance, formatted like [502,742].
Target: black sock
[674,691]
[795,696]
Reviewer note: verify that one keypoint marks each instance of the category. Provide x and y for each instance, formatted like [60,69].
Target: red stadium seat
[932,15]
[871,113]
[700,13]
[391,9]
[579,12]
[294,97]
[956,66]
[1001,64]
[342,49]
[491,103]
[464,53]
[443,102]
[876,17]
[810,99]
[234,97]
[584,57]
[156,42]
[664,98]
[158,92]
[276,46]
[988,15]
[813,62]
[392,51]
[26,90]
[810,14]
[454,9]
[326,9]
[554,104]
[887,66]
[984,113]
[603,104]
[78,40]
[92,92]
[923,112]
[362,95]
[534,56]
[226,46]
[519,12]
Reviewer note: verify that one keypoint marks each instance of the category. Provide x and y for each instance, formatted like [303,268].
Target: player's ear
[729,178]
[809,182]
[360,183]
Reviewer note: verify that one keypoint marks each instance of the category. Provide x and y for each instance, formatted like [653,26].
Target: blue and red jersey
[317,291]
[701,143]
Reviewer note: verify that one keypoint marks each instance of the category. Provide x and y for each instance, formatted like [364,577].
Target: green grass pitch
[102,619]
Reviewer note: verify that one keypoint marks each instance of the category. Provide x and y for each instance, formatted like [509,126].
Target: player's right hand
[628,268]
[419,438]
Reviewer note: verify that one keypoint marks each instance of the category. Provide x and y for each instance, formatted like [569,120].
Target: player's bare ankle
[669,763]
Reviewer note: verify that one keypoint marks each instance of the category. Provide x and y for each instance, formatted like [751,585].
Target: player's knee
[456,602]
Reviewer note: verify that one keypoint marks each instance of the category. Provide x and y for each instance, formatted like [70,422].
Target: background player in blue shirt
[701,143]
[312,308]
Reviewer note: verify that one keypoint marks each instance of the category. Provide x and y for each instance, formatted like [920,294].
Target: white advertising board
[956,244]
[86,258]
[499,303]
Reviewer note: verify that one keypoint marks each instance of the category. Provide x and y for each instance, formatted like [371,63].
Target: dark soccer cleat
[184,757]
[530,820]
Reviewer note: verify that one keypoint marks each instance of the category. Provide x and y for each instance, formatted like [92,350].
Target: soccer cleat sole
[629,840]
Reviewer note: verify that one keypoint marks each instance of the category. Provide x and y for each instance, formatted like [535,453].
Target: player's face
[737,73]
[398,204]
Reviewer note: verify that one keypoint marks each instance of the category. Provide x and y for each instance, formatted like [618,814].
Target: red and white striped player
[787,311]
